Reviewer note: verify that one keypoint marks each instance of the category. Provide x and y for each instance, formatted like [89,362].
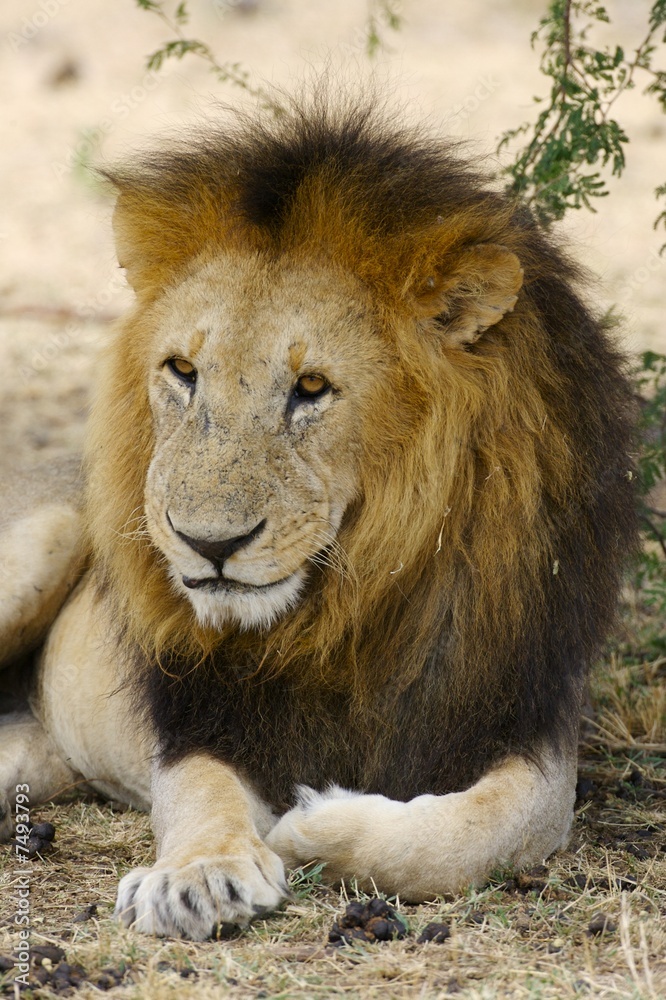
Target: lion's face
[262,378]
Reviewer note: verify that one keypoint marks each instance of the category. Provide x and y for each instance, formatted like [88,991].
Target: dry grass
[522,936]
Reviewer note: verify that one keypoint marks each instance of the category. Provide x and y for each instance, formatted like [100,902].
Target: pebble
[438,933]
[601,924]
[375,920]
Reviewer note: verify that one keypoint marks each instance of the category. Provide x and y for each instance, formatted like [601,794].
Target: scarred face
[261,378]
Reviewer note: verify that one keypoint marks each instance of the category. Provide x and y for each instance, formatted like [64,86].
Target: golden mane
[458,537]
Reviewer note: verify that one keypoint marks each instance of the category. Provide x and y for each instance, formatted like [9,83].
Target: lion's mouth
[222,584]
[217,599]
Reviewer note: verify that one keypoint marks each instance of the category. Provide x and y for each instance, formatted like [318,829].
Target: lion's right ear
[154,239]
[471,293]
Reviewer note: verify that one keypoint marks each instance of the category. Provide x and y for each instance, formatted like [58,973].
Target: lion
[355,503]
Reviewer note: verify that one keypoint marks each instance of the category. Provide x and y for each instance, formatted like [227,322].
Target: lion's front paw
[192,899]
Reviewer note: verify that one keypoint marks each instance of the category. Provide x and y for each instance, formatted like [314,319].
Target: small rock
[38,846]
[379,928]
[47,951]
[105,982]
[6,963]
[66,975]
[379,908]
[438,933]
[375,920]
[45,831]
[601,924]
[42,975]
[532,880]
[352,916]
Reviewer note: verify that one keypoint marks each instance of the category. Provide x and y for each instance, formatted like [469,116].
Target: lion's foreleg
[212,865]
[43,550]
[517,814]
[29,765]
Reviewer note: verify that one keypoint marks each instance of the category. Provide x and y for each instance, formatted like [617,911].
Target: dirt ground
[76,92]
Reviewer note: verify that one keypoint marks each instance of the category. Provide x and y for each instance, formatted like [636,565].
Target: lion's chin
[249,608]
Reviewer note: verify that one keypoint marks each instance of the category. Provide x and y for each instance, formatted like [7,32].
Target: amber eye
[183,369]
[311,386]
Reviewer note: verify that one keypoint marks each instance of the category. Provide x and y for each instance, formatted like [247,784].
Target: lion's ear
[479,289]
[154,238]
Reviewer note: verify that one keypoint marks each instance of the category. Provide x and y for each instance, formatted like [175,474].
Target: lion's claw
[194,899]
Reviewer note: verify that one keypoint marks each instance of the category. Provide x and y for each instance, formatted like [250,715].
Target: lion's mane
[484,558]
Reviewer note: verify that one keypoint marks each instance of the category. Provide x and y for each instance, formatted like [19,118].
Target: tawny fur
[433,548]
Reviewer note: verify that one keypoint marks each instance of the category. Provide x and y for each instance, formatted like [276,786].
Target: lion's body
[358,498]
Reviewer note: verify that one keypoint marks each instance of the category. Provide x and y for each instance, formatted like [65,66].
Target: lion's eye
[311,386]
[183,369]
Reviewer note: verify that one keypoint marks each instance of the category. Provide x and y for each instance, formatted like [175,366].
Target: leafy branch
[575,136]
[180,45]
[650,381]
[381,14]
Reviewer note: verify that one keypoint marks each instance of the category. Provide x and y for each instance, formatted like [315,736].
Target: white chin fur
[256,609]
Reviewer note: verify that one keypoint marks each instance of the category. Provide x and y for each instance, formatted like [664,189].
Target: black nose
[218,551]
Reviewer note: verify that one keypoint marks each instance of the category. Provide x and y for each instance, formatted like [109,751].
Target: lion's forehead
[259,320]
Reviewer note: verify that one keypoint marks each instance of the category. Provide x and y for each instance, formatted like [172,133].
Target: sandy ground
[76,91]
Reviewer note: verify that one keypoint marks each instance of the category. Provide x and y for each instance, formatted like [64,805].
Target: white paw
[333,826]
[191,899]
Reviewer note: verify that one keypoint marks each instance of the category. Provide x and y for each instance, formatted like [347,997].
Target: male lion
[357,495]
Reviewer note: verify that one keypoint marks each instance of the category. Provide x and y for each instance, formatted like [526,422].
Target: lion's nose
[217,551]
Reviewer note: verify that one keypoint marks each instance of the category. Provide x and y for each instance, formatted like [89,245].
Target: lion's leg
[212,865]
[81,698]
[29,763]
[41,542]
[517,814]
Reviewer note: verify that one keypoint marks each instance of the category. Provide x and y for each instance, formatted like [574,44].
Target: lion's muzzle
[217,551]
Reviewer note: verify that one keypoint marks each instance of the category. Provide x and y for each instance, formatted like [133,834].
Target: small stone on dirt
[87,914]
[578,881]
[375,920]
[38,845]
[45,831]
[532,880]
[601,924]
[47,951]
[438,933]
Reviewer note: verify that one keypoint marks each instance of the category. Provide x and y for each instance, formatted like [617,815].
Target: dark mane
[479,653]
